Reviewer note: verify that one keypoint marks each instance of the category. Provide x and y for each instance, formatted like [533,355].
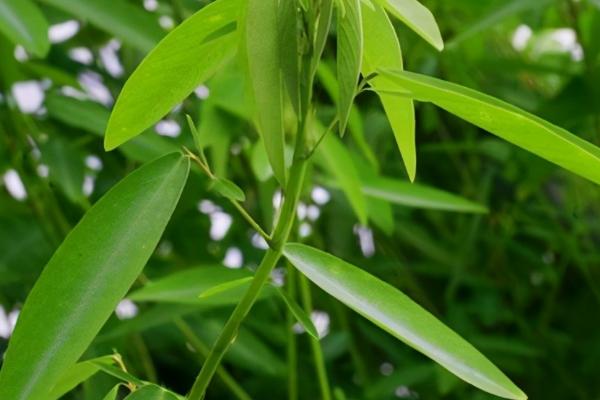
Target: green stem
[292,349]
[203,350]
[270,259]
[315,345]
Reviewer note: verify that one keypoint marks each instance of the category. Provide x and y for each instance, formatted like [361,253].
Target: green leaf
[334,157]
[87,276]
[195,134]
[114,392]
[152,392]
[225,287]
[185,58]
[76,375]
[397,314]
[506,121]
[289,56]
[131,24]
[228,189]
[262,47]
[382,50]
[299,314]
[185,286]
[349,57]
[418,196]
[23,23]
[418,18]
[66,168]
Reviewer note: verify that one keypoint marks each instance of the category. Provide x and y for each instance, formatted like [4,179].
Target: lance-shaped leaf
[418,196]
[185,58]
[382,50]
[87,276]
[133,25]
[349,57]
[264,68]
[417,17]
[76,375]
[289,58]
[23,23]
[113,393]
[506,121]
[152,392]
[397,314]
[301,316]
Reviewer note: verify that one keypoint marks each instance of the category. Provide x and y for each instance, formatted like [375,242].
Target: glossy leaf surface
[23,23]
[262,47]
[417,17]
[349,57]
[186,57]
[88,275]
[397,314]
[506,121]
[382,50]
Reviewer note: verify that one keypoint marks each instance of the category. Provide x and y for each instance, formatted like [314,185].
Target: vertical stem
[315,345]
[292,349]
[203,350]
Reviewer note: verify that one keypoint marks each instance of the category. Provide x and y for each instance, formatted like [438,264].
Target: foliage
[476,254]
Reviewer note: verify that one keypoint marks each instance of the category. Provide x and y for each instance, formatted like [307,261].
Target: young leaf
[227,189]
[114,392]
[262,46]
[506,121]
[195,134]
[349,57]
[131,24]
[225,287]
[185,58]
[185,286]
[418,18]
[299,314]
[87,276]
[152,392]
[336,159]
[23,23]
[382,50]
[418,196]
[397,314]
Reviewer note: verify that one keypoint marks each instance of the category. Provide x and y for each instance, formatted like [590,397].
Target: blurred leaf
[23,23]
[114,392]
[335,158]
[418,196]
[382,50]
[299,314]
[397,314]
[228,189]
[416,17]
[506,121]
[185,286]
[127,22]
[225,287]
[185,58]
[349,57]
[265,77]
[152,392]
[65,168]
[88,275]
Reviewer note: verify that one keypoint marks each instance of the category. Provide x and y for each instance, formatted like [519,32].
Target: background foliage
[521,282]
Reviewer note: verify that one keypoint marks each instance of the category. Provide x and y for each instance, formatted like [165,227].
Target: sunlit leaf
[417,17]
[23,23]
[349,57]
[87,276]
[262,47]
[506,121]
[185,58]
[396,313]
[382,50]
